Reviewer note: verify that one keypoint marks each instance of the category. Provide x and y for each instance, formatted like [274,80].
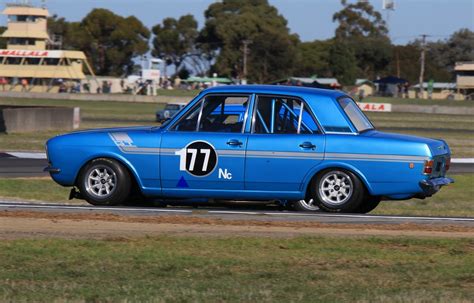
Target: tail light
[428,168]
[447,165]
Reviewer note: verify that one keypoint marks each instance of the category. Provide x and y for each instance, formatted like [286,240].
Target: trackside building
[30,63]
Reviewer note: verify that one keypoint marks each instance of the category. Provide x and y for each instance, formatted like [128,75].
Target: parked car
[312,147]
[169,111]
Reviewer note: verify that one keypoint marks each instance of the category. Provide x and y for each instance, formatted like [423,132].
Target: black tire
[368,205]
[307,205]
[104,182]
[346,186]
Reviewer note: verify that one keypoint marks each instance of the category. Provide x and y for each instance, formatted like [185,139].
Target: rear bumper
[432,186]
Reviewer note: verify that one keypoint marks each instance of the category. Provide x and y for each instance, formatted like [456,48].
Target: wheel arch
[120,159]
[315,171]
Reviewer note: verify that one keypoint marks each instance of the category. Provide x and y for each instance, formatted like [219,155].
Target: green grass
[44,189]
[194,269]
[419,101]
[454,200]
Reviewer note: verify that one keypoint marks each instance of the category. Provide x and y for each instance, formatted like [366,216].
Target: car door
[204,151]
[284,145]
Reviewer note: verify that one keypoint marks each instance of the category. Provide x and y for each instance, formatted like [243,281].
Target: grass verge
[196,269]
[454,200]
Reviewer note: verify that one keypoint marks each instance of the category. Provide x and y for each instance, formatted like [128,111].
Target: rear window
[357,117]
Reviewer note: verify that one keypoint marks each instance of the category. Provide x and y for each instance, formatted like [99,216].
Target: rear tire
[104,182]
[337,190]
[368,205]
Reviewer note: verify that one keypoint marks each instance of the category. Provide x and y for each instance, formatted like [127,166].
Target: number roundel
[199,158]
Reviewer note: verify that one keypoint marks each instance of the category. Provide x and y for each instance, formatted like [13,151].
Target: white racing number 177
[198,158]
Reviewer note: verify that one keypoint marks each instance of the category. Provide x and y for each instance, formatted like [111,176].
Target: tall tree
[365,31]
[406,62]
[112,41]
[175,40]
[233,26]
[359,19]
[459,47]
[343,62]
[313,59]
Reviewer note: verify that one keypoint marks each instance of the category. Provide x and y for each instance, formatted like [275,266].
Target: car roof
[275,89]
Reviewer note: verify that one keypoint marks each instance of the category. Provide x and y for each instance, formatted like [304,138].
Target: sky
[310,19]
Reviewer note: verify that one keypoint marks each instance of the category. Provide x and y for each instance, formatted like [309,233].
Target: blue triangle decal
[182,183]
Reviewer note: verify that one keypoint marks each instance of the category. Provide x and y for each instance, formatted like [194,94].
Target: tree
[3,42]
[175,40]
[343,63]
[112,41]
[365,31]
[359,19]
[72,37]
[232,23]
[459,47]
[313,59]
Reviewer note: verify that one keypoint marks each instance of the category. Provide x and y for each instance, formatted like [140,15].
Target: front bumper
[432,186]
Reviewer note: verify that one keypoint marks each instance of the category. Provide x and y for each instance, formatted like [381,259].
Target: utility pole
[245,53]
[422,64]
[398,63]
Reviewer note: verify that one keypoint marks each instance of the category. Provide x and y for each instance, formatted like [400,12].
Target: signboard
[151,74]
[31,53]
[375,107]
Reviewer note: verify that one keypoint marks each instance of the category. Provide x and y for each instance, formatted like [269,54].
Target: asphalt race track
[23,167]
[240,214]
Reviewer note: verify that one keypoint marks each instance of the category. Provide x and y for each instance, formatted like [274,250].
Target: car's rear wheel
[104,182]
[368,205]
[337,190]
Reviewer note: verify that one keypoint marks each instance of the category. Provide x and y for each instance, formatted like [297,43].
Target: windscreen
[357,117]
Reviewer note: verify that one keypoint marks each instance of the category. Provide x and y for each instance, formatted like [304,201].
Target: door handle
[234,142]
[307,145]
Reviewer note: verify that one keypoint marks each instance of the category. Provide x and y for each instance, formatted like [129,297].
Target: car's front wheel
[307,204]
[104,182]
[337,190]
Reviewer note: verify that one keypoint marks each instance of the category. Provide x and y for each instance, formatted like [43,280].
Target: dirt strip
[30,224]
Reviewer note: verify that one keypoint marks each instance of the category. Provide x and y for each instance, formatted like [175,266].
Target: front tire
[307,204]
[337,190]
[104,182]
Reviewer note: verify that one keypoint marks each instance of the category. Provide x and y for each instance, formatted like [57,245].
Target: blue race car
[312,147]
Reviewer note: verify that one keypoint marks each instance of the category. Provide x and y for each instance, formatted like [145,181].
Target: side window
[215,113]
[282,115]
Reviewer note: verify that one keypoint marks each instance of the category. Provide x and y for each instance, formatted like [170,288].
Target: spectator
[3,82]
[24,85]
[405,89]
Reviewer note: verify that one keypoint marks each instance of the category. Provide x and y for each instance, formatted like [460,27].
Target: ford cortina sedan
[312,147]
